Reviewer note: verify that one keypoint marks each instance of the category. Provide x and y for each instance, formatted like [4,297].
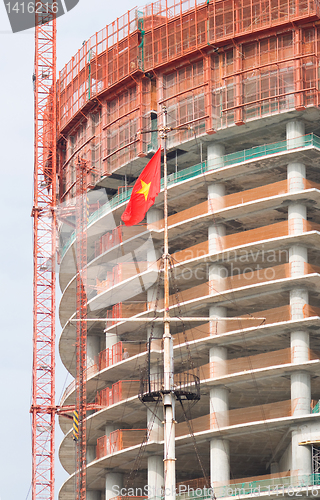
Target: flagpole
[168,367]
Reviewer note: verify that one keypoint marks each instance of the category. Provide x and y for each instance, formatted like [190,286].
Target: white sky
[16,127]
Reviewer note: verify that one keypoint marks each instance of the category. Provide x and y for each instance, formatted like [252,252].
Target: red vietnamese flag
[144,192]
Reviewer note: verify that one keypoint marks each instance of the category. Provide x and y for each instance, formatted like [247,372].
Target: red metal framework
[81,315]
[43,391]
[172,29]
[201,59]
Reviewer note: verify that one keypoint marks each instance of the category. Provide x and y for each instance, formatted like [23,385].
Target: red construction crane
[43,406]
[44,251]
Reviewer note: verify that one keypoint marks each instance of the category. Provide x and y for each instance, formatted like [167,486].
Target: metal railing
[186,386]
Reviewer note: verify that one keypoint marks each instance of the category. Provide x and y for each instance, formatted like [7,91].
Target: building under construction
[239,81]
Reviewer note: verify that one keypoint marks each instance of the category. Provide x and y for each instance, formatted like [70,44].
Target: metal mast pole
[44,249]
[168,394]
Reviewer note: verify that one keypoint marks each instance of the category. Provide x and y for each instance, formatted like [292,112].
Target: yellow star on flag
[144,189]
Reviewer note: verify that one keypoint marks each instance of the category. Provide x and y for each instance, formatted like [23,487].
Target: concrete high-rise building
[244,224]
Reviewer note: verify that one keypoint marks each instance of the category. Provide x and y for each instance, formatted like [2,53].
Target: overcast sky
[16,195]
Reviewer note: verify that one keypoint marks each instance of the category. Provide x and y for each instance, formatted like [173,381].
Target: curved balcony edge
[230,162]
[118,457]
[96,420]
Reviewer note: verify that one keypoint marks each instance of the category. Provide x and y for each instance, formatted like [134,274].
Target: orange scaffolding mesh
[91,370]
[277,230]
[275,315]
[119,440]
[116,236]
[121,272]
[172,29]
[310,311]
[237,417]
[122,310]
[202,483]
[119,352]
[107,241]
[240,280]
[207,207]
[249,78]
[273,358]
[120,391]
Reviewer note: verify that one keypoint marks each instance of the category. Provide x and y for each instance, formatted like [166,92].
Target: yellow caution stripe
[75,426]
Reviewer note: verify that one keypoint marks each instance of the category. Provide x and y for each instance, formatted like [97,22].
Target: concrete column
[296,177]
[155,476]
[154,295]
[91,453]
[298,258]
[219,462]
[218,361]
[219,326]
[215,154]
[295,131]
[216,232]
[300,393]
[155,424]
[216,193]
[114,483]
[299,347]
[110,428]
[216,235]
[154,215]
[298,301]
[217,278]
[297,217]
[111,339]
[296,172]
[301,455]
[93,349]
[93,495]
[300,381]
[219,405]
[157,333]
[155,463]
[156,366]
